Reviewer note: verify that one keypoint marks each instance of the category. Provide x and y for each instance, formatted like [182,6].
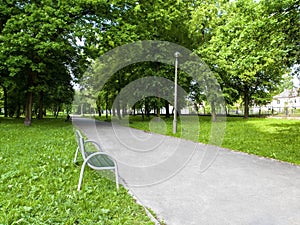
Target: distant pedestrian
[68,118]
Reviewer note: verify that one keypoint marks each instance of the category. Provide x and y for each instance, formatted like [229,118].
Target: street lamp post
[175,94]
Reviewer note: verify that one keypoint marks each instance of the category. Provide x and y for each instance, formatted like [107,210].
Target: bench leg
[76,154]
[81,175]
[82,172]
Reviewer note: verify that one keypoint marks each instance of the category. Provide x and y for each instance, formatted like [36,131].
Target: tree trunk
[167,109]
[28,109]
[143,118]
[147,111]
[119,110]
[18,111]
[99,111]
[246,105]
[114,111]
[57,112]
[213,112]
[196,107]
[124,111]
[81,110]
[106,106]
[41,105]
[226,110]
[5,102]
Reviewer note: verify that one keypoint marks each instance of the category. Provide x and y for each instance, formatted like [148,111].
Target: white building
[287,100]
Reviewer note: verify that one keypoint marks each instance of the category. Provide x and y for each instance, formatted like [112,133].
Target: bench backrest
[80,142]
[88,147]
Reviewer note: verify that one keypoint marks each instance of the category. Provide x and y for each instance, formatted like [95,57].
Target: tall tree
[243,45]
[152,20]
[36,35]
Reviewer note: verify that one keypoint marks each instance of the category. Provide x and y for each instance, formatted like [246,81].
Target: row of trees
[41,52]
[249,45]
[47,44]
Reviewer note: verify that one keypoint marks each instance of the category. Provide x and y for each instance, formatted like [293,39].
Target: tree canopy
[46,45]
[249,44]
[40,46]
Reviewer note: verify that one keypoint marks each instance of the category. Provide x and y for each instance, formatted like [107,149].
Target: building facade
[287,100]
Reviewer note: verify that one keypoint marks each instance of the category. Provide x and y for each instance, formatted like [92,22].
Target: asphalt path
[188,183]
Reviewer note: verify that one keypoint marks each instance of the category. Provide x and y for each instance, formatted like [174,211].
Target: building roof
[288,93]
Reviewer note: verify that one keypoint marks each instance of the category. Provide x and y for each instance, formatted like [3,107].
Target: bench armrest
[95,143]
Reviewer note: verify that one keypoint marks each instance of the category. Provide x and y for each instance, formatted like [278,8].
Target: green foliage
[44,45]
[40,46]
[272,138]
[140,20]
[39,181]
[246,43]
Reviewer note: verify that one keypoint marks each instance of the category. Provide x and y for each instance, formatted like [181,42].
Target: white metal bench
[97,160]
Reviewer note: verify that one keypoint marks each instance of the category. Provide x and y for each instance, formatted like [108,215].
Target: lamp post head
[176,54]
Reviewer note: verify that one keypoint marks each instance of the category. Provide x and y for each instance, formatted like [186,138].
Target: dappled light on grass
[38,180]
[273,138]
[264,137]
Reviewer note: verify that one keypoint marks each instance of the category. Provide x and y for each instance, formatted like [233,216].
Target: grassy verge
[272,138]
[38,180]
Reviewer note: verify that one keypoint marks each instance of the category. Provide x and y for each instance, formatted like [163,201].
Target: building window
[278,102]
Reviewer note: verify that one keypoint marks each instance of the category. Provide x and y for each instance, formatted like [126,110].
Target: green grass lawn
[38,181]
[272,138]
